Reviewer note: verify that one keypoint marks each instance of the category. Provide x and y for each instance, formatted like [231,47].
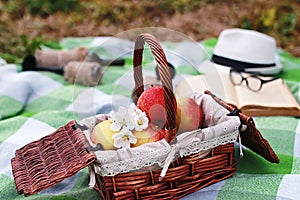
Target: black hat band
[237,64]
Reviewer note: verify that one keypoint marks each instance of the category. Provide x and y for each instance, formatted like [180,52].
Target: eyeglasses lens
[236,78]
[254,83]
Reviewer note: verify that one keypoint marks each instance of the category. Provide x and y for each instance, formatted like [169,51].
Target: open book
[274,98]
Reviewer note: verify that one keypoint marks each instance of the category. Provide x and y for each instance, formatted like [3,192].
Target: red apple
[189,115]
[152,102]
[151,134]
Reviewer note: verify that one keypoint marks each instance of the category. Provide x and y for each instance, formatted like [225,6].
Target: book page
[274,98]
[275,94]
[218,83]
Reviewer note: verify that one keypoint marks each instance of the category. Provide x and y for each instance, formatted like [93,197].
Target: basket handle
[164,74]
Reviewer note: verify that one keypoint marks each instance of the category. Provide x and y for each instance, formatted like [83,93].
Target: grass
[25,25]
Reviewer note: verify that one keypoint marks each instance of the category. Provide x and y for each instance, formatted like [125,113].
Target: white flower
[124,139]
[138,117]
[123,122]
[133,111]
[120,120]
[140,122]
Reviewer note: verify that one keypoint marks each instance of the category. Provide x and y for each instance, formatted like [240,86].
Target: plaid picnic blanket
[35,104]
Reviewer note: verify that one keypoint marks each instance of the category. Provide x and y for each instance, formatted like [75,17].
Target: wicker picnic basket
[51,159]
[186,174]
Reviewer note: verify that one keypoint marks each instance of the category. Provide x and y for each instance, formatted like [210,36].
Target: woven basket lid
[55,157]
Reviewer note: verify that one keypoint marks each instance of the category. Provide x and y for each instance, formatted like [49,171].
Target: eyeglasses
[254,82]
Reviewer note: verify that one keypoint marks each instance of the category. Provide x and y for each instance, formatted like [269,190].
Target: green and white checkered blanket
[35,104]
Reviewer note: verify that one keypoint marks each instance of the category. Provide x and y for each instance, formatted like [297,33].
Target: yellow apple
[102,134]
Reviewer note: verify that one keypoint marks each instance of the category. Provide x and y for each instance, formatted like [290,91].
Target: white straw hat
[247,50]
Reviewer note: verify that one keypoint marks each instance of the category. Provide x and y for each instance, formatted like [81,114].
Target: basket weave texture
[186,175]
[53,158]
